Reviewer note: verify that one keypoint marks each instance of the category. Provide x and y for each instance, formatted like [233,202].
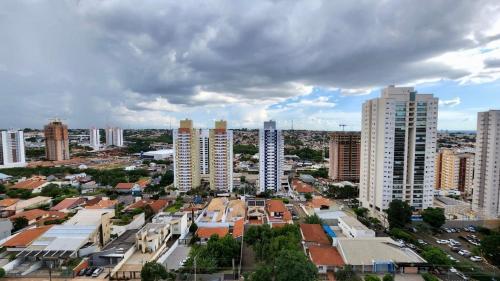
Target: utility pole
[343,126]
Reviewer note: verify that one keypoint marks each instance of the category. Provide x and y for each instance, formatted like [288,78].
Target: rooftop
[68,203]
[25,238]
[239,227]
[125,185]
[8,202]
[314,233]
[325,255]
[302,187]
[88,217]
[103,204]
[29,184]
[207,232]
[276,206]
[36,214]
[353,223]
[23,204]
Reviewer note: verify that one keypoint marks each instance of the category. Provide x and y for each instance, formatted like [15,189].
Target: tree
[429,277]
[193,227]
[314,219]
[3,189]
[434,216]
[20,223]
[436,257]
[2,272]
[308,196]
[346,274]
[153,271]
[388,277]
[371,277]
[361,212]
[398,214]
[490,247]
[294,265]
[262,273]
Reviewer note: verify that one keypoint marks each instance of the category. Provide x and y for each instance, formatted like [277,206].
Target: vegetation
[319,173]
[434,217]
[193,227]
[19,193]
[167,179]
[19,223]
[361,212]
[217,254]
[179,202]
[398,214]
[346,274]
[153,271]
[113,176]
[399,233]
[345,192]
[245,149]
[308,196]
[279,253]
[2,272]
[436,257]
[490,248]
[429,277]
[53,190]
[306,153]
[314,219]
[35,152]
[371,277]
[388,277]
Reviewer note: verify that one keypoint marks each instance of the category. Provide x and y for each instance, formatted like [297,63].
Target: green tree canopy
[436,257]
[20,223]
[346,274]
[153,271]
[490,247]
[398,214]
[294,265]
[314,219]
[434,216]
[371,277]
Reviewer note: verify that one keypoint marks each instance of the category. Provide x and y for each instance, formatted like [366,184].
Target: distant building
[398,148]
[114,137]
[486,191]
[454,170]
[271,157]
[221,157]
[204,150]
[12,149]
[186,156]
[344,156]
[56,141]
[95,138]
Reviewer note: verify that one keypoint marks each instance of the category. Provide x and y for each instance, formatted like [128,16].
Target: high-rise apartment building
[95,138]
[344,156]
[204,152]
[114,137]
[398,148]
[56,141]
[486,192]
[454,169]
[12,149]
[186,141]
[221,157]
[271,157]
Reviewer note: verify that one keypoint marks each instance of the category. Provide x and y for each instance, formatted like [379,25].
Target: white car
[442,241]
[451,258]
[421,242]
[464,253]
[183,262]
[476,258]
[462,276]
[453,270]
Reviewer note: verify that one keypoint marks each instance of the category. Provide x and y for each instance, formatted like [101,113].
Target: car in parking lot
[89,271]
[97,271]
[464,253]
[454,270]
[451,258]
[462,276]
[476,258]
[442,241]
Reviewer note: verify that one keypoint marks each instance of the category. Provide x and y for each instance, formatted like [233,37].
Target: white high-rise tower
[486,190]
[95,138]
[114,136]
[398,148]
[12,149]
[271,157]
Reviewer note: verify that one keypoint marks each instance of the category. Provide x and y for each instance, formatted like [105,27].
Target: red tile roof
[103,204]
[68,203]
[30,184]
[314,233]
[319,201]
[325,255]
[25,238]
[207,232]
[8,202]
[156,205]
[302,187]
[37,214]
[125,185]
[276,206]
[238,228]
[143,182]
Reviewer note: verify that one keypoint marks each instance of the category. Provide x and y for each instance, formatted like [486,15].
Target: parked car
[82,272]
[97,272]
[462,276]
[442,241]
[422,242]
[454,270]
[451,258]
[464,253]
[476,258]
[455,249]
[89,271]
[183,262]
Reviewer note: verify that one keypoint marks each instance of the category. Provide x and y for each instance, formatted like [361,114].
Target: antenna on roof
[343,126]
[292,124]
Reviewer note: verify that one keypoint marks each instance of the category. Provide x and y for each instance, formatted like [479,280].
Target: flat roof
[353,223]
[366,251]
[88,217]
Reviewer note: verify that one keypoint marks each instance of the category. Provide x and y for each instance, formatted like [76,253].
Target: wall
[138,221]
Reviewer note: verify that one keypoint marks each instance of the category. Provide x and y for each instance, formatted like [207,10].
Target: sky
[149,64]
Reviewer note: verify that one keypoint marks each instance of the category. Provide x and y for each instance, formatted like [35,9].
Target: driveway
[179,254]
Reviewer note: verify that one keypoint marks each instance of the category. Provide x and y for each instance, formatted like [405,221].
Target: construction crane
[343,126]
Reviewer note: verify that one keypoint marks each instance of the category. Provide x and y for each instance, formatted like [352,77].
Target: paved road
[179,254]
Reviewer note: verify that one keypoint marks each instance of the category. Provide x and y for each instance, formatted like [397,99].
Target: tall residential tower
[398,148]
[271,157]
[486,192]
[344,156]
[186,156]
[221,157]
[56,141]
[95,138]
[12,149]
[114,137]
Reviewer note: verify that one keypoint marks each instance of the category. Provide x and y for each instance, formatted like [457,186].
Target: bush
[388,277]
[371,277]
[429,277]
[398,233]
[2,272]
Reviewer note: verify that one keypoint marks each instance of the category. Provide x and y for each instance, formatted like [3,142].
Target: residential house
[68,204]
[151,237]
[277,213]
[5,228]
[22,240]
[178,221]
[129,187]
[104,203]
[313,234]
[22,205]
[256,211]
[35,185]
[204,233]
[155,205]
[39,217]
[326,258]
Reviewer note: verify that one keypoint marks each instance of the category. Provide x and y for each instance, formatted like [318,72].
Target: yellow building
[221,157]
[454,170]
[186,156]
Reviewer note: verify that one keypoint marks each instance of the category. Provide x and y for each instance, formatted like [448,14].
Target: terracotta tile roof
[68,203]
[37,214]
[276,206]
[325,255]
[238,228]
[125,185]
[313,233]
[287,216]
[278,224]
[302,187]
[143,182]
[319,201]
[207,232]
[8,202]
[30,184]
[25,238]
[156,205]
[103,204]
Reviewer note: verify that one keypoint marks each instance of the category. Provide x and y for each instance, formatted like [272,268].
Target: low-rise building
[204,233]
[353,228]
[39,217]
[128,187]
[17,243]
[35,185]
[313,235]
[178,221]
[326,258]
[256,211]
[150,238]
[277,213]
[5,228]
[22,205]
[68,204]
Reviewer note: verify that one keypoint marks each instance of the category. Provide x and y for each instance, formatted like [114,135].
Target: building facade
[114,137]
[95,138]
[56,141]
[454,170]
[485,198]
[271,157]
[344,156]
[221,157]
[204,149]
[398,148]
[186,143]
[12,152]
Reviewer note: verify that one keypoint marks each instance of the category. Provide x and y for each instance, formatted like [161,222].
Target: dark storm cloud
[492,63]
[83,59]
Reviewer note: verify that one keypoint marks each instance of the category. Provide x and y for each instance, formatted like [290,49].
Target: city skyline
[119,67]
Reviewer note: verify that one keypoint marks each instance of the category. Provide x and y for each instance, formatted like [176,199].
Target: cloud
[92,62]
[451,102]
